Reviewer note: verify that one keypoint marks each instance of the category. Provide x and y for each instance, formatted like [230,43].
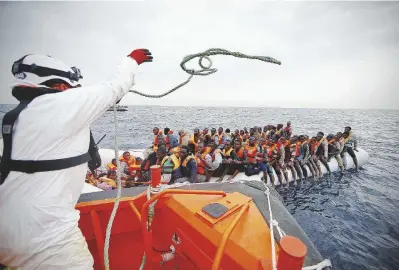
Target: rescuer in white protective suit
[38,221]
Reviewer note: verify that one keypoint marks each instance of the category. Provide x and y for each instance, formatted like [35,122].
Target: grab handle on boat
[147,233]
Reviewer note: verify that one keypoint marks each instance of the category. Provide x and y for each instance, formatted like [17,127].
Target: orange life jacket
[167,139]
[200,164]
[111,166]
[130,162]
[251,153]
[297,149]
[270,150]
[240,153]
[313,147]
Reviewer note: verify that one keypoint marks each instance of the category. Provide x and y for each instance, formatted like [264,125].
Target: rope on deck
[204,71]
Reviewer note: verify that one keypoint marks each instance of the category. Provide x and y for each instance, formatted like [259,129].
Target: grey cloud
[334,54]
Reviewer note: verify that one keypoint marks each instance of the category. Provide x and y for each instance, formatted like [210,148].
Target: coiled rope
[204,71]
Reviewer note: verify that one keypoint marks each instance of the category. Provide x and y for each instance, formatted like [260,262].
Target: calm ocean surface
[354,221]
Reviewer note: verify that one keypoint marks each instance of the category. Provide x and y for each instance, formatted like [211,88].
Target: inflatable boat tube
[253,189]
[362,157]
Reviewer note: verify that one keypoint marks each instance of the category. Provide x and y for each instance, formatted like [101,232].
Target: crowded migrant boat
[206,154]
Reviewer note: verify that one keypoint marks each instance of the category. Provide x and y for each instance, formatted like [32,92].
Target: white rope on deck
[204,71]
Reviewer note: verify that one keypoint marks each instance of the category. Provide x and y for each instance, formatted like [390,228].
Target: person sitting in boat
[334,151]
[212,160]
[289,148]
[239,160]
[130,162]
[158,138]
[322,150]
[279,131]
[214,136]
[288,130]
[220,136]
[264,157]
[194,140]
[251,152]
[171,169]
[112,166]
[167,131]
[313,151]
[188,166]
[350,145]
[227,136]
[276,157]
[297,154]
[340,139]
[200,159]
[144,172]
[305,152]
[184,137]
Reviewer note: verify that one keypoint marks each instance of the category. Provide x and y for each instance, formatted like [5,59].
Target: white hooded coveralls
[38,220]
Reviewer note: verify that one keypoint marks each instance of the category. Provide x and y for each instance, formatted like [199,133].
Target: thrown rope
[204,71]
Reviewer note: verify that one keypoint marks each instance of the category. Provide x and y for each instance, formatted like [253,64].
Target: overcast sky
[333,54]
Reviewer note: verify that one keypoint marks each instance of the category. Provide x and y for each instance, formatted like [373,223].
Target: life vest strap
[31,166]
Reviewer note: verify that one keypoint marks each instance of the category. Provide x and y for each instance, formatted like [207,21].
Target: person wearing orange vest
[188,166]
[158,138]
[252,151]
[112,166]
[238,159]
[313,148]
[296,147]
[220,136]
[303,139]
[288,130]
[200,159]
[277,155]
[194,140]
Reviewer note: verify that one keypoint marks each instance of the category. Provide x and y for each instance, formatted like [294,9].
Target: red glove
[141,55]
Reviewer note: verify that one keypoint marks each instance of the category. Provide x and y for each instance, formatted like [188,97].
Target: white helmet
[42,70]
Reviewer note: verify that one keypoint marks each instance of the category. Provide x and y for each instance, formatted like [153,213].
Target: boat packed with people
[204,200]
[271,154]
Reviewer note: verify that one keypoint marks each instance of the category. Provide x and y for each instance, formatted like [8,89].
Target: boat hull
[126,247]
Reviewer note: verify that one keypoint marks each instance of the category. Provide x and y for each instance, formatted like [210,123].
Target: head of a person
[213,131]
[294,139]
[220,130]
[255,128]
[227,130]
[330,136]
[301,138]
[251,131]
[265,128]
[288,123]
[251,141]
[348,129]
[237,145]
[183,153]
[200,147]
[314,139]
[205,131]
[213,146]
[271,142]
[161,152]
[208,138]
[227,145]
[242,132]
[196,131]
[44,71]
[279,126]
[166,131]
[319,135]
[260,129]
[338,135]
[245,130]
[155,130]
[261,141]
[345,135]
[181,132]
[113,161]
[306,137]
[126,155]
[273,128]
[236,132]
